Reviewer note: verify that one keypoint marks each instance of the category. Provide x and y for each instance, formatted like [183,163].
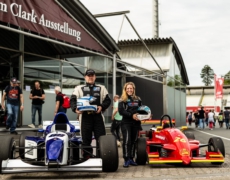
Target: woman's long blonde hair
[124,95]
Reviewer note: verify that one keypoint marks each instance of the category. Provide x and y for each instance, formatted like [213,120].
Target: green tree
[207,74]
[176,81]
[227,78]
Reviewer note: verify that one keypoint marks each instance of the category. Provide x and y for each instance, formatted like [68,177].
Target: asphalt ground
[161,172]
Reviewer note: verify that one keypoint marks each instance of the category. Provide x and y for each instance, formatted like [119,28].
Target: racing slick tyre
[108,152]
[216,144]
[7,149]
[189,135]
[22,142]
[141,157]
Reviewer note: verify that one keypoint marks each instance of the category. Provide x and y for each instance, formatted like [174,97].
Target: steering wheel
[170,121]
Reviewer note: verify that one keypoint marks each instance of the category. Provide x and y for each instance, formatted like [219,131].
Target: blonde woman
[130,124]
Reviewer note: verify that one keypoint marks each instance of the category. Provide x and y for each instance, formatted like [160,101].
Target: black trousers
[91,123]
[115,129]
[130,134]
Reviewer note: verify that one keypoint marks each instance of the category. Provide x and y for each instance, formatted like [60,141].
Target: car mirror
[159,128]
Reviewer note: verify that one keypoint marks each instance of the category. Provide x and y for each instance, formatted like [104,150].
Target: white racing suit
[89,120]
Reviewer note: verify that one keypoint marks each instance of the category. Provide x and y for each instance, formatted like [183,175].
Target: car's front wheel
[141,157]
[7,149]
[108,152]
[215,144]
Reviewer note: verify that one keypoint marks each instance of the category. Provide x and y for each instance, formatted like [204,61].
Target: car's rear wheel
[108,152]
[7,149]
[215,144]
[22,142]
[189,135]
[141,153]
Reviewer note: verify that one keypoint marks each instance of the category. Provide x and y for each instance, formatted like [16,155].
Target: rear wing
[154,121]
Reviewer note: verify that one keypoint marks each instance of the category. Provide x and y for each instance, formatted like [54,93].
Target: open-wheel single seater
[169,145]
[56,148]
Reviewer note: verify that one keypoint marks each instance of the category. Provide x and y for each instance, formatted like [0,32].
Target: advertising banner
[47,18]
[219,82]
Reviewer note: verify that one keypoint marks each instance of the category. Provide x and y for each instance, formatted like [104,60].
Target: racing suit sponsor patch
[133,104]
[86,89]
[96,94]
[96,88]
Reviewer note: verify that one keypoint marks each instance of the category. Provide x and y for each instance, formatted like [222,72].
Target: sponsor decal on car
[160,137]
[184,152]
[178,139]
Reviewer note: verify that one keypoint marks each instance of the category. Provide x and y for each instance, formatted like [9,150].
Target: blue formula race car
[57,148]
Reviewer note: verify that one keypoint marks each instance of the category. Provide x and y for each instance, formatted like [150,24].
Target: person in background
[18,83]
[206,117]
[116,120]
[196,115]
[13,95]
[59,101]
[220,118]
[190,118]
[130,124]
[211,119]
[37,95]
[201,118]
[226,117]
[214,117]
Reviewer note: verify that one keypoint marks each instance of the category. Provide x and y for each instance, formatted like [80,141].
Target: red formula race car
[166,144]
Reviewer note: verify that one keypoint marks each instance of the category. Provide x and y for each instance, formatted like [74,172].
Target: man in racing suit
[91,121]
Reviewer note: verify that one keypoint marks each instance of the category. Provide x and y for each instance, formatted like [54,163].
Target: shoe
[131,162]
[14,132]
[31,125]
[118,144]
[7,127]
[126,164]
[40,126]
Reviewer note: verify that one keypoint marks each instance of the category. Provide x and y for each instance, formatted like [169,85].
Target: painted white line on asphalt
[213,135]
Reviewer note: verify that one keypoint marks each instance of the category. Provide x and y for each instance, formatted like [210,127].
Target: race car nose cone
[186,160]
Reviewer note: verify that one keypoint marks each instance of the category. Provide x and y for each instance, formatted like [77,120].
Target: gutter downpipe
[114,73]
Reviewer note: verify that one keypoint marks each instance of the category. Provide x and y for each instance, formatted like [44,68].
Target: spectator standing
[37,95]
[196,116]
[201,118]
[59,101]
[13,95]
[206,117]
[226,118]
[189,118]
[116,120]
[18,83]
[220,118]
[211,119]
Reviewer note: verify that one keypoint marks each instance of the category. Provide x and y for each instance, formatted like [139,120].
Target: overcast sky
[200,28]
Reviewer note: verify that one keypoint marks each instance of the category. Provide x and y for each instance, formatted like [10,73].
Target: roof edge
[98,24]
[181,60]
